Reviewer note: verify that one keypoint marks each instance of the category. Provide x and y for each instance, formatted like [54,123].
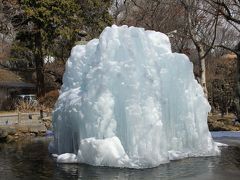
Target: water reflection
[30,160]
[174,170]
[206,167]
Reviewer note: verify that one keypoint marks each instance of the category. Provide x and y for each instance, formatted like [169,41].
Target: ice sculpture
[128,101]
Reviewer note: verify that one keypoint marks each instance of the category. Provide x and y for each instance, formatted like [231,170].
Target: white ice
[128,101]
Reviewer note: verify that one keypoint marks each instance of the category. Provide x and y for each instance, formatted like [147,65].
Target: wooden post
[19,117]
[41,113]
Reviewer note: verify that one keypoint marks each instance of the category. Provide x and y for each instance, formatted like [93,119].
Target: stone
[3,133]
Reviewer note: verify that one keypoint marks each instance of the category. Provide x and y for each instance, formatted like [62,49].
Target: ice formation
[128,101]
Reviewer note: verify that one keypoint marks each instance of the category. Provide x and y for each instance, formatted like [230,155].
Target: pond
[30,160]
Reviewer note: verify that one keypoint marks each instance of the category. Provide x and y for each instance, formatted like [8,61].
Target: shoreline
[26,128]
[41,127]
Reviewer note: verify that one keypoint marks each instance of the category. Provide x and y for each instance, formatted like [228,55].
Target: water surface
[30,160]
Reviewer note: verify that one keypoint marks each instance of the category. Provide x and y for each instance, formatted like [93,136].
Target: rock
[40,128]
[22,128]
[48,122]
[10,139]
[47,119]
[12,131]
[33,134]
[3,133]
[26,128]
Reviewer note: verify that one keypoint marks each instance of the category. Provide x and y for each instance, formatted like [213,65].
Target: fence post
[19,117]
[41,114]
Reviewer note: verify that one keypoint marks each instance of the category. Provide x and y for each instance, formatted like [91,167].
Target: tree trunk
[38,55]
[237,100]
[203,70]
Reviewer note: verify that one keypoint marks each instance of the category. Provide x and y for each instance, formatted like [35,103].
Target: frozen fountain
[128,101]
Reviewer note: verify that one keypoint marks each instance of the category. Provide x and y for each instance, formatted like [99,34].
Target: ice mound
[128,101]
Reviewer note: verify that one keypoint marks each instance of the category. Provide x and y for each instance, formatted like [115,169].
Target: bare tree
[202,30]
[185,21]
[159,15]
[230,11]
[119,10]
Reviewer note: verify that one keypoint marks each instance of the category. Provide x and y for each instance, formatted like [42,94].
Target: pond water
[30,160]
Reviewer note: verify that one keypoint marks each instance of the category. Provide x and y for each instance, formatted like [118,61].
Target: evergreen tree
[47,22]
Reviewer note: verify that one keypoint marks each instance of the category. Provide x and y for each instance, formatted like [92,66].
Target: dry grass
[7,112]
[6,76]
[26,106]
[49,100]
[218,123]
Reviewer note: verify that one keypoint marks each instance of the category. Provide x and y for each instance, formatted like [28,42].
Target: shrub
[49,100]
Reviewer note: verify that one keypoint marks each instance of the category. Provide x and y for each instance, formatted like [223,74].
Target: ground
[218,123]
